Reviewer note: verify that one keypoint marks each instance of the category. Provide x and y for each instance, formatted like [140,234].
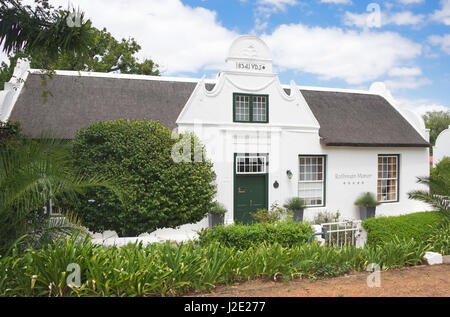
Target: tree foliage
[158,191]
[42,29]
[436,121]
[28,32]
[31,174]
[105,54]
[438,195]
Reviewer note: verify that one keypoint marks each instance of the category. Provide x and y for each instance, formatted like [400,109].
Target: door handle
[251,203]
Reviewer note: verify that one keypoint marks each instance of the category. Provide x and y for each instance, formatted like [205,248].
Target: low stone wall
[182,234]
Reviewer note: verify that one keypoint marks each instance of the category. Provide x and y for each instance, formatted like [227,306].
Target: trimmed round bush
[137,157]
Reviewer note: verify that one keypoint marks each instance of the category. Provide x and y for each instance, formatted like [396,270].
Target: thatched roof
[346,119]
[78,101]
[351,119]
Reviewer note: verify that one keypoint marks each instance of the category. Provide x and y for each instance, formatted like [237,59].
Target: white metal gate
[343,233]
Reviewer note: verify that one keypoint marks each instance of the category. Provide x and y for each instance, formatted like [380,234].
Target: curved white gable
[248,70]
[442,147]
[9,95]
[249,54]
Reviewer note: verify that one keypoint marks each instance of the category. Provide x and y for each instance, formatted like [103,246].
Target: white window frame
[397,178]
[322,182]
[264,164]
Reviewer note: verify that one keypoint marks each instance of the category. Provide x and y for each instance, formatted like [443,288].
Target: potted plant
[367,204]
[216,214]
[296,205]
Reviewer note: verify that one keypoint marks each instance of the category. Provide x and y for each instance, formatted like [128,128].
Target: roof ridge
[186,79]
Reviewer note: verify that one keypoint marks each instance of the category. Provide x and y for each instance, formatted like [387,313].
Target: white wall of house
[292,130]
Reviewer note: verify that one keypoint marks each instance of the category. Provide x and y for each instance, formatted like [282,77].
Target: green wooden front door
[250,194]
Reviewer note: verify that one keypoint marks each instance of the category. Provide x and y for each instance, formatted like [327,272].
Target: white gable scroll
[442,147]
[249,54]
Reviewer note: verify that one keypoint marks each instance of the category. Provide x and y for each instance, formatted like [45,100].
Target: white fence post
[318,228]
[361,236]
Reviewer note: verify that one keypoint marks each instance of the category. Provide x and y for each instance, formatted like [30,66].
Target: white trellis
[345,233]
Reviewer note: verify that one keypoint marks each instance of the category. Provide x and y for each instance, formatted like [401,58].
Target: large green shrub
[286,233]
[419,226]
[157,191]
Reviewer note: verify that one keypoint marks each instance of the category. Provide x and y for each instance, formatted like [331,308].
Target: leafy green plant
[419,226]
[294,203]
[218,209]
[172,270]
[10,133]
[274,214]
[326,217]
[438,195]
[31,174]
[286,233]
[367,200]
[439,239]
[159,191]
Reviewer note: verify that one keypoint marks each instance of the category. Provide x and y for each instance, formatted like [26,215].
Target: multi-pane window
[242,108]
[260,108]
[250,108]
[250,165]
[311,180]
[387,178]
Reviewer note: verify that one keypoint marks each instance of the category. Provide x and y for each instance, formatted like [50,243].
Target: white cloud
[184,38]
[421,106]
[188,39]
[337,1]
[442,15]
[442,41]
[408,82]
[406,18]
[410,1]
[265,9]
[355,57]
[398,18]
[405,72]
[279,4]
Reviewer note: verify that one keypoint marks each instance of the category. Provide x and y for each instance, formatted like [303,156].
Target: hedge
[419,226]
[286,233]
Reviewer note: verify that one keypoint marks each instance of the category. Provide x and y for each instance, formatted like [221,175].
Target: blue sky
[328,43]
[430,87]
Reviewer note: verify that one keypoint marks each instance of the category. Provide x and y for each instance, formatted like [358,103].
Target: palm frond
[32,173]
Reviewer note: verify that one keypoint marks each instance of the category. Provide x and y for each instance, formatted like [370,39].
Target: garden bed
[173,270]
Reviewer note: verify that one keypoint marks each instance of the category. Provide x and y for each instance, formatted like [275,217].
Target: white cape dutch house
[268,141]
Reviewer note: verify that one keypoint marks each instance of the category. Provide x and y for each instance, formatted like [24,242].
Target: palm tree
[438,183]
[32,174]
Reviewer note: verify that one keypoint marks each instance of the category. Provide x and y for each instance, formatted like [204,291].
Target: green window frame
[249,108]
